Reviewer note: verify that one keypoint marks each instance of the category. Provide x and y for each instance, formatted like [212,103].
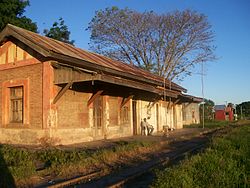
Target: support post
[94,96]
[125,100]
[175,102]
[62,91]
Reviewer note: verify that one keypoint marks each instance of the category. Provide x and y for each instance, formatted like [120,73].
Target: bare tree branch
[169,45]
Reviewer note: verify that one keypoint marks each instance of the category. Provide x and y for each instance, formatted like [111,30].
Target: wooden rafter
[175,102]
[169,105]
[62,91]
[151,104]
[187,105]
[94,96]
[125,100]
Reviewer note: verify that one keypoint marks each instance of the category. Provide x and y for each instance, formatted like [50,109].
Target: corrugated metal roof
[191,98]
[220,107]
[50,45]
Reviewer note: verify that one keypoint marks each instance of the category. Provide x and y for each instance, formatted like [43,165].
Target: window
[16,104]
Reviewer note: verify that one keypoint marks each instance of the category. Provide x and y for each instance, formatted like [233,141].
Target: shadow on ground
[6,178]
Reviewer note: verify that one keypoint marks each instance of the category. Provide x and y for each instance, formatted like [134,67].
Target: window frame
[16,105]
[6,105]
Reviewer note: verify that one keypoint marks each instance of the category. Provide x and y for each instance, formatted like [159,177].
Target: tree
[243,109]
[208,110]
[59,31]
[166,44]
[11,11]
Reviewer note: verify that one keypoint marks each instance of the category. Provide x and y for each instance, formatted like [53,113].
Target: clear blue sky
[227,80]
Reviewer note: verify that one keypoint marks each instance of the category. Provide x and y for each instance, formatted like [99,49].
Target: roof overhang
[190,99]
[23,36]
[64,74]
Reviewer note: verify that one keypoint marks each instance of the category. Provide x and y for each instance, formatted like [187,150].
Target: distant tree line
[242,110]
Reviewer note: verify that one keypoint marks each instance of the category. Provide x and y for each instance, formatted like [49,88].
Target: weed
[210,124]
[16,164]
[20,163]
[224,164]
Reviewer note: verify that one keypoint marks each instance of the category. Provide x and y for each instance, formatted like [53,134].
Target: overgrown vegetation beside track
[210,124]
[25,167]
[225,163]
[20,166]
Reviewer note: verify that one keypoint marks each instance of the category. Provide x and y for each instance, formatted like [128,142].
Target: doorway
[134,117]
[157,117]
[98,117]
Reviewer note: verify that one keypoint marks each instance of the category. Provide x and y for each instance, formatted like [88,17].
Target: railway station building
[50,90]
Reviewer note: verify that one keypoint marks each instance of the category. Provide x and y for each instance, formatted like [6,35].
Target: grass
[225,163]
[18,165]
[210,124]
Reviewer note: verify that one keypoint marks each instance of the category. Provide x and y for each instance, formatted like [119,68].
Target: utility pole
[202,91]
[235,111]
[241,112]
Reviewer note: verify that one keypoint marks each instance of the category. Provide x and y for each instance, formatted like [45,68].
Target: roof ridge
[53,46]
[39,34]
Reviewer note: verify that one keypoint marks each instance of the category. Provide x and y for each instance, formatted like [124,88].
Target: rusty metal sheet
[59,47]
[190,98]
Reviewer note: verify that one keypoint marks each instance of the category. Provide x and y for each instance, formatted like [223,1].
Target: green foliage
[59,31]
[208,110]
[209,124]
[19,163]
[11,11]
[16,163]
[57,157]
[243,108]
[224,164]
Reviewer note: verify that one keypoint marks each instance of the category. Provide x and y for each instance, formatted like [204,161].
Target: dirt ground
[181,143]
[176,141]
[157,137]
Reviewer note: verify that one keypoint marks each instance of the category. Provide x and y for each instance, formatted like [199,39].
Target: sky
[226,80]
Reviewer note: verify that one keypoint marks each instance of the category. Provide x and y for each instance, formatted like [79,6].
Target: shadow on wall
[6,178]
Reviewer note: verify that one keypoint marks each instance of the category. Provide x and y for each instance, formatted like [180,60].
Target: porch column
[49,92]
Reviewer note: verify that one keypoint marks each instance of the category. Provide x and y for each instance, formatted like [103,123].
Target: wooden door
[134,118]
[157,117]
[98,117]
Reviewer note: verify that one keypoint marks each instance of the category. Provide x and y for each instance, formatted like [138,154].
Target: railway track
[146,177]
[127,176]
[122,179]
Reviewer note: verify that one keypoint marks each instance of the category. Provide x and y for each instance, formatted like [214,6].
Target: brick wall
[72,110]
[32,73]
